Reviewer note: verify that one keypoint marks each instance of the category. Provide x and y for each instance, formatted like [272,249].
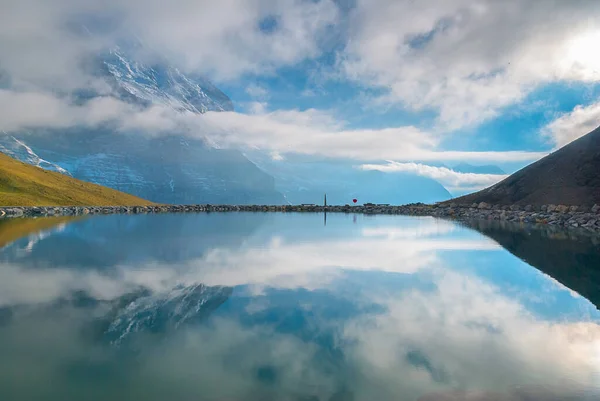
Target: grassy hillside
[22,184]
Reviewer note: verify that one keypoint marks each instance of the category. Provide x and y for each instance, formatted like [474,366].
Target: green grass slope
[22,184]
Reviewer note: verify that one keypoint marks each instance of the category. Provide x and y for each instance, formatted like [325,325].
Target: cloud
[280,132]
[465,60]
[447,177]
[468,60]
[27,110]
[316,132]
[48,44]
[571,126]
[256,91]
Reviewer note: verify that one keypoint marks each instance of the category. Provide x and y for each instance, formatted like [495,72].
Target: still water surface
[284,307]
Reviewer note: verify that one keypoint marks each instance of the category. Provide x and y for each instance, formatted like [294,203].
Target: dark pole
[325,210]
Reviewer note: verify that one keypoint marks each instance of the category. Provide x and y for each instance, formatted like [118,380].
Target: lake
[261,306]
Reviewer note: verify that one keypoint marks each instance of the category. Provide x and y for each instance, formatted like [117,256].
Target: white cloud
[46,43]
[256,91]
[465,59]
[20,110]
[311,132]
[468,59]
[316,132]
[447,177]
[570,126]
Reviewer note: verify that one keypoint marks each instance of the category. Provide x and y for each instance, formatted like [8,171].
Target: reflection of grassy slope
[25,185]
[13,229]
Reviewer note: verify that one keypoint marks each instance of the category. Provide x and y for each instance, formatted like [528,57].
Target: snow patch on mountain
[20,151]
[164,84]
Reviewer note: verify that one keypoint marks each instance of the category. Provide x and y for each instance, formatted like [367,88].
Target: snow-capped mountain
[158,312]
[166,169]
[162,84]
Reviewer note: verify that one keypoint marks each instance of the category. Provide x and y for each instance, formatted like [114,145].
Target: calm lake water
[290,307]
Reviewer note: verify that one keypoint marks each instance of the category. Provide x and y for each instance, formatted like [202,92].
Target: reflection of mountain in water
[140,311]
[13,229]
[573,260]
[108,241]
[157,313]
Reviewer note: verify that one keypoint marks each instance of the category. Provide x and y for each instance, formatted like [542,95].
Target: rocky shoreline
[553,215]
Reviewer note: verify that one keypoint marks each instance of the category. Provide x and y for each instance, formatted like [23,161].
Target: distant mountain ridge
[568,176]
[307,180]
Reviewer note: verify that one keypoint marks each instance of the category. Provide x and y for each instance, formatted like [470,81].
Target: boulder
[483,205]
[15,212]
[562,209]
[573,209]
[551,208]
[528,208]
[596,209]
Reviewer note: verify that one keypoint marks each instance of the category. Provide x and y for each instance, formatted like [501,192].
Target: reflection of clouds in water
[256,363]
[281,263]
[468,334]
[20,285]
[423,228]
[464,334]
[222,361]
[277,263]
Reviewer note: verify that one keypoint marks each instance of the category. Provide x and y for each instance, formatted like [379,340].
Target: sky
[394,85]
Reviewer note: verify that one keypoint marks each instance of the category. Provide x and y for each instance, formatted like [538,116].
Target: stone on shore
[560,216]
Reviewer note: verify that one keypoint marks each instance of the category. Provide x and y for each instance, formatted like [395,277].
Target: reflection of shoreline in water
[570,257]
[101,242]
[16,228]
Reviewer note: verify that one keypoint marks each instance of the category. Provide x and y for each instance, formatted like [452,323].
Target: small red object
[354,200]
